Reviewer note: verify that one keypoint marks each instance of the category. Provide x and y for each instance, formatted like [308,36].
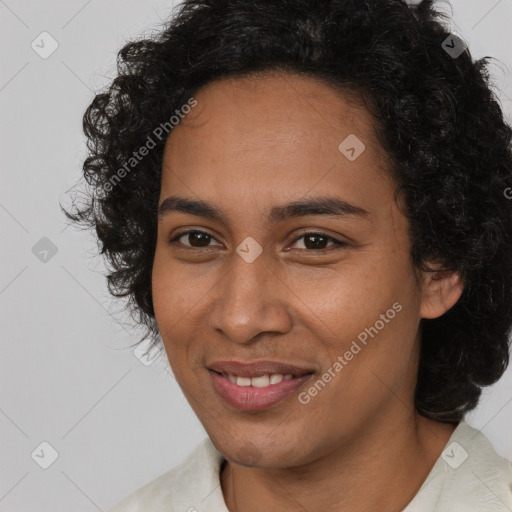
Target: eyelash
[337,243]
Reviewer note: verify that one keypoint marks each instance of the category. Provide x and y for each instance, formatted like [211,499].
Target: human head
[435,117]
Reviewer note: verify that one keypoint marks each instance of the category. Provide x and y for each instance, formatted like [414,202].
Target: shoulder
[468,476]
[476,473]
[182,488]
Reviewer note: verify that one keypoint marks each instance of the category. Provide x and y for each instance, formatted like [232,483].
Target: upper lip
[257,368]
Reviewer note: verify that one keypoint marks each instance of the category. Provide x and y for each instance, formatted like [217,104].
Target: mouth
[261,381]
[255,369]
[256,386]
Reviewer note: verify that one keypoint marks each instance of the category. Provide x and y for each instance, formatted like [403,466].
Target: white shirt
[469,476]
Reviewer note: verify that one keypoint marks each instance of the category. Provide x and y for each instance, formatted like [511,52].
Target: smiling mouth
[254,369]
[254,394]
[260,381]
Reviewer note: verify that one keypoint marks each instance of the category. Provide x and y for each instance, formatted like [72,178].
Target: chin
[266,454]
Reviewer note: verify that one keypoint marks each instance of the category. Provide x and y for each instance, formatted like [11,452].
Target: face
[304,289]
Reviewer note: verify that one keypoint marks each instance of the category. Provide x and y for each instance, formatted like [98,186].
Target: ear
[440,291]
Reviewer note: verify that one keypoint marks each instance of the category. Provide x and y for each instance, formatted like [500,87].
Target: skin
[250,144]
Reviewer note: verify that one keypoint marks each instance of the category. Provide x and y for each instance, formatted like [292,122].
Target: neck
[383,469]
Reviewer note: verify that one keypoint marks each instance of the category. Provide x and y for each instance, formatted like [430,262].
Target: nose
[250,300]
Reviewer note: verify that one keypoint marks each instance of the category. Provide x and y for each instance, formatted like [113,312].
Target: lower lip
[250,398]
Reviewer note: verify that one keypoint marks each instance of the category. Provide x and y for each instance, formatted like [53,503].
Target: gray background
[69,375]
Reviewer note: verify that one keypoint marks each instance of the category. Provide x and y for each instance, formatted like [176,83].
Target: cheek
[169,301]
[162,291]
[374,303]
[371,362]
[350,296]
[177,304]
[171,290]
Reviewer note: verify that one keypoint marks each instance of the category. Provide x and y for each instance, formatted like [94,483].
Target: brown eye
[195,238]
[317,241]
[313,242]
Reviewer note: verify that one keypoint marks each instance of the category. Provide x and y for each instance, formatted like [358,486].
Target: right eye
[201,237]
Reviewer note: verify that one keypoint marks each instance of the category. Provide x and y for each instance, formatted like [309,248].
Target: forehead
[277,134]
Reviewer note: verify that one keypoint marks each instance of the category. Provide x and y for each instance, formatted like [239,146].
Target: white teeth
[276,378]
[243,381]
[262,381]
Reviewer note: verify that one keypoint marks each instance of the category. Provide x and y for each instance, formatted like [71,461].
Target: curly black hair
[436,116]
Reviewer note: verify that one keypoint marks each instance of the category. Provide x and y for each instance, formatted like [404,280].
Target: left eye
[313,241]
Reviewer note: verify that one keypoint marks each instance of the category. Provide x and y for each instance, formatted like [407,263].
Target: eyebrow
[325,205]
